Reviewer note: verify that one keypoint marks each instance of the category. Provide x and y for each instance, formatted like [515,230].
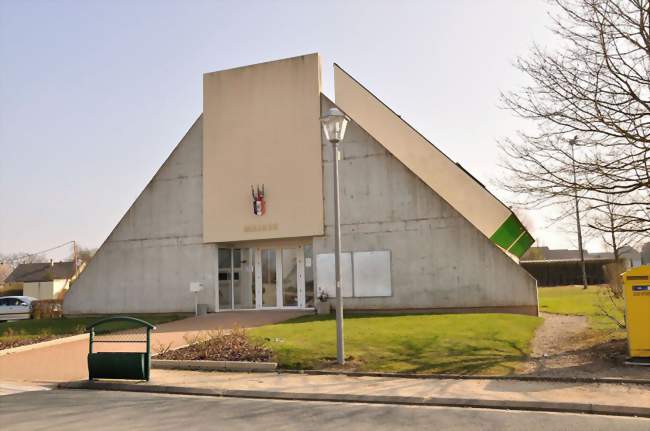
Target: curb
[547,406]
[42,344]
[168,364]
[594,380]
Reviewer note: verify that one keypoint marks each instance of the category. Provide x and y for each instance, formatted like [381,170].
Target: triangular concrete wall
[439,259]
[156,250]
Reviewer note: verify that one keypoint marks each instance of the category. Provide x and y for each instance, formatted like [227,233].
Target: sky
[94,95]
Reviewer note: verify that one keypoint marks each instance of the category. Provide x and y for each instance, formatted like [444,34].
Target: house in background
[631,256]
[47,280]
[561,267]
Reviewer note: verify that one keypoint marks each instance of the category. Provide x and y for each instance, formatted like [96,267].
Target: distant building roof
[544,253]
[32,272]
[572,260]
[629,252]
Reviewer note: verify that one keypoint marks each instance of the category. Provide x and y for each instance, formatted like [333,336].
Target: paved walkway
[612,394]
[67,361]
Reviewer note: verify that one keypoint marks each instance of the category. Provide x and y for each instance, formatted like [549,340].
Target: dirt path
[558,334]
[564,346]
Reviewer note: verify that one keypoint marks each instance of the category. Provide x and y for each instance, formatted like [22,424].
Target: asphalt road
[99,410]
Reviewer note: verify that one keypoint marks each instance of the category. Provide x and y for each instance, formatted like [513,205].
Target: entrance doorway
[265,278]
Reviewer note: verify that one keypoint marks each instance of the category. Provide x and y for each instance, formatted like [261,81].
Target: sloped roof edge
[450,180]
[34,272]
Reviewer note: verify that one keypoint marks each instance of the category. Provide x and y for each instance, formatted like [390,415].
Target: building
[631,255]
[645,254]
[566,272]
[562,267]
[48,280]
[243,205]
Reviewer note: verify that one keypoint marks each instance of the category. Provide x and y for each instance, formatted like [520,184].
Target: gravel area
[564,346]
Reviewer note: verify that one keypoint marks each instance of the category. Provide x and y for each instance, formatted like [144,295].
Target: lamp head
[334,123]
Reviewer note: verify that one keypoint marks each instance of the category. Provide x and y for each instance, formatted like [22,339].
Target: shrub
[220,345]
[47,309]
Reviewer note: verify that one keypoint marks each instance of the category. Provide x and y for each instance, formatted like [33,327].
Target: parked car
[16,307]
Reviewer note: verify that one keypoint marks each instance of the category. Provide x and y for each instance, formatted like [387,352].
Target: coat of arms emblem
[259,204]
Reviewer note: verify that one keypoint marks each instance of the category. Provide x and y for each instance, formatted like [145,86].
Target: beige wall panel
[434,168]
[32,289]
[260,126]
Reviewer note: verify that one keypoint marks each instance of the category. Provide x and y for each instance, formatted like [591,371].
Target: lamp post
[573,142]
[334,123]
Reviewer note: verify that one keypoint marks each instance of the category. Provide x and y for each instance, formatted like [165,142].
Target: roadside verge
[42,344]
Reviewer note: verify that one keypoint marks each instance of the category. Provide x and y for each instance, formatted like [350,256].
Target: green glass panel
[508,232]
[523,244]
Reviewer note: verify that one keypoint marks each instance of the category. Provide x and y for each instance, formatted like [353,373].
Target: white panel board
[372,273]
[325,274]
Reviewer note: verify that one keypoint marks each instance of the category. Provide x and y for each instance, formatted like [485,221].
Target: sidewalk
[599,398]
[65,361]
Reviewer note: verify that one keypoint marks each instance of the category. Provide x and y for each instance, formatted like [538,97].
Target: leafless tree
[15,259]
[595,88]
[84,254]
[609,221]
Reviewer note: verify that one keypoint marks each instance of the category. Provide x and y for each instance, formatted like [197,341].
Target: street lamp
[573,143]
[334,123]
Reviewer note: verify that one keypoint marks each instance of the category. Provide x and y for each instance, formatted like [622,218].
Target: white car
[16,307]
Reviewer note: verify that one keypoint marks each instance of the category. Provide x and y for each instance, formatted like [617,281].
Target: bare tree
[596,87]
[83,254]
[609,221]
[15,259]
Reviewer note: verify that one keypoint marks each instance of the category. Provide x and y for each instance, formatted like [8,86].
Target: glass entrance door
[235,280]
[290,277]
[225,279]
[256,278]
[280,277]
[271,285]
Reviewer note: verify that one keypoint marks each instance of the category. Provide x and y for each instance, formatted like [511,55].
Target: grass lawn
[27,329]
[575,300]
[416,343]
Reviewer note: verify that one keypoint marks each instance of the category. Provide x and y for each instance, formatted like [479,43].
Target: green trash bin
[130,359]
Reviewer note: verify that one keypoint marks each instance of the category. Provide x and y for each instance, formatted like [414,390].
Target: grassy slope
[466,344]
[575,300]
[74,325]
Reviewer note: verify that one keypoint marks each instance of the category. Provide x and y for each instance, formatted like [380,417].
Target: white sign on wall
[325,274]
[372,273]
[196,286]
[363,274]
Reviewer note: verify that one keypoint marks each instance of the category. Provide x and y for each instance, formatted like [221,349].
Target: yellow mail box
[636,282]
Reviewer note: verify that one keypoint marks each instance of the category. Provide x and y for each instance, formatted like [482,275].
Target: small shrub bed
[234,345]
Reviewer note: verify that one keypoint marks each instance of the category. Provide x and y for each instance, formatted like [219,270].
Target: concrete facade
[438,258]
[148,261]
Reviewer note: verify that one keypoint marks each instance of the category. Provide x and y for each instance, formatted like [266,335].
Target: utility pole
[572,142]
[74,256]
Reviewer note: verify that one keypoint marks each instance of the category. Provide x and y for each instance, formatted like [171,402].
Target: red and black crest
[259,204]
